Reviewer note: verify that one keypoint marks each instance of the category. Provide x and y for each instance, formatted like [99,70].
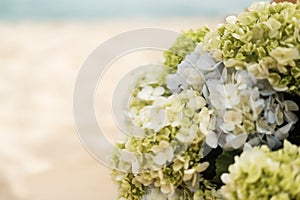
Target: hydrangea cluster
[264,174]
[220,101]
[130,189]
[265,40]
[241,109]
[167,155]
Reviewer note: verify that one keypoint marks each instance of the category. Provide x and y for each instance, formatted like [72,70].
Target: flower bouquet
[219,120]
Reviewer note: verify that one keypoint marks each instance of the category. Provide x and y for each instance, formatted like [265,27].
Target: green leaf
[294,135]
[222,164]
[210,172]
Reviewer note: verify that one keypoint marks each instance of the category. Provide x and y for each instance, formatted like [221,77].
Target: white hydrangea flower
[223,96]
[257,104]
[164,155]
[187,135]
[204,116]
[216,94]
[153,117]
[235,141]
[231,120]
[205,63]
[212,139]
[231,19]
[192,76]
[176,81]
[160,101]
[174,103]
[244,79]
[196,103]
[150,93]
[232,98]
[145,116]
[206,128]
[173,109]
[129,160]
[162,145]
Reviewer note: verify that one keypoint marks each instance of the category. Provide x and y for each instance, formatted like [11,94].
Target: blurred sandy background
[41,155]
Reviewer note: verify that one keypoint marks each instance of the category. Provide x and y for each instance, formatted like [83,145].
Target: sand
[40,152]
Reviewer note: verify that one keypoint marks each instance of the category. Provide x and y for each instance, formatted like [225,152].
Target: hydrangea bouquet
[219,120]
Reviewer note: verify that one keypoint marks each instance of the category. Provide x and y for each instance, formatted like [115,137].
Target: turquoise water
[94,9]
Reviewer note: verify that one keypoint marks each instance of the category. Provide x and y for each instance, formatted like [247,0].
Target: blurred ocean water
[99,9]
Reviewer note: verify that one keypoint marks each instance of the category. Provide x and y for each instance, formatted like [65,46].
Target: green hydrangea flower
[265,40]
[182,179]
[264,174]
[129,187]
[184,45]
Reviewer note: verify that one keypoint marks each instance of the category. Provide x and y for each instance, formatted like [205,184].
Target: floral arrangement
[219,120]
